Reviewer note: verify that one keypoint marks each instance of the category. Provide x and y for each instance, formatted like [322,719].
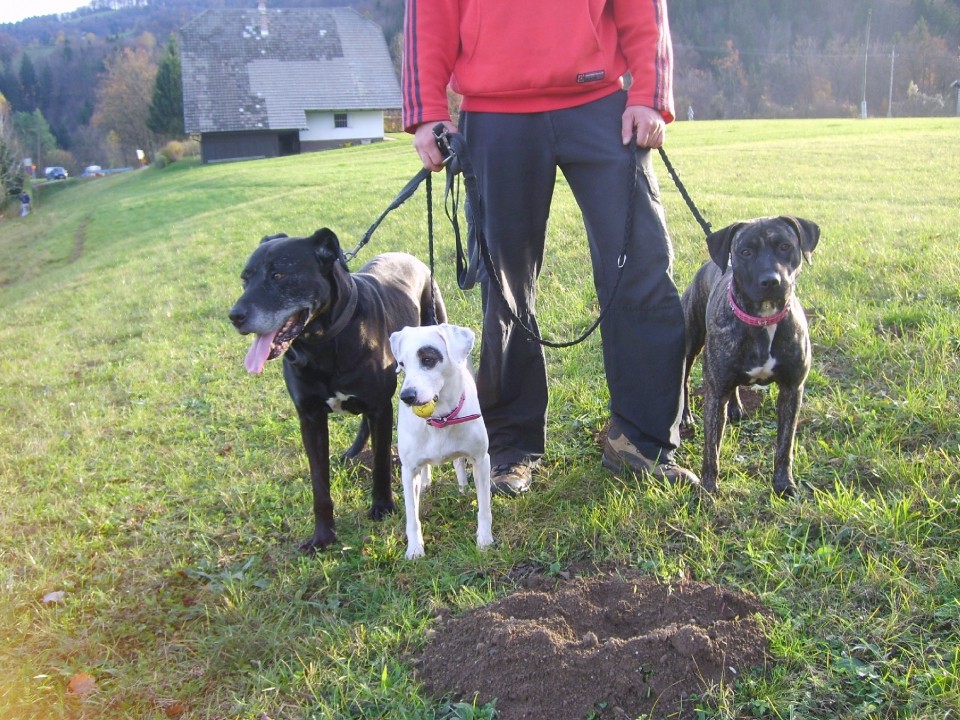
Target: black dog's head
[765,254]
[286,283]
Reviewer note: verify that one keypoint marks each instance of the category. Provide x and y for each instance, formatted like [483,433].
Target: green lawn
[162,489]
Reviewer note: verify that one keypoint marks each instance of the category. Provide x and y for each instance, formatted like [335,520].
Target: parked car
[92,171]
[55,173]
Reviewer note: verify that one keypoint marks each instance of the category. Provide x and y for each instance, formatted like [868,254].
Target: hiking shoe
[510,479]
[620,454]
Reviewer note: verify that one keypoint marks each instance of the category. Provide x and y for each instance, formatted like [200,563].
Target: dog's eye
[429,362]
[745,252]
[277,276]
[786,248]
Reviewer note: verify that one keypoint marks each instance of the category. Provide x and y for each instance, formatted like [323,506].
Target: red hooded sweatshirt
[521,56]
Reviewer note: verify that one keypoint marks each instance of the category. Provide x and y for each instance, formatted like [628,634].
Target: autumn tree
[166,107]
[928,61]
[123,101]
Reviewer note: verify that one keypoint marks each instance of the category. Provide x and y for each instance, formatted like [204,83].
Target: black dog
[754,329]
[332,329]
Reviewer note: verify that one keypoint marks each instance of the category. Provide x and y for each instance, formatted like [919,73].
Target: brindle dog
[753,330]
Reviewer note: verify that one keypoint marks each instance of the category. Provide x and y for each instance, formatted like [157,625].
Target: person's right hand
[426,145]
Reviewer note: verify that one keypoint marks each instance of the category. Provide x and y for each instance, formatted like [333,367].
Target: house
[270,82]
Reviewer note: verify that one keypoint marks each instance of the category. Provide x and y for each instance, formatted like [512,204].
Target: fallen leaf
[52,598]
[175,710]
[82,685]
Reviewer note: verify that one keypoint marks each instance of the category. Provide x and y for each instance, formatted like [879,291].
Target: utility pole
[893,56]
[36,191]
[866,50]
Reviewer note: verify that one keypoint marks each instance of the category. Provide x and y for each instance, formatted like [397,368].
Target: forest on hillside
[76,87]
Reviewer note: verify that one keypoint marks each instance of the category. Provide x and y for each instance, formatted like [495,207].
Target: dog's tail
[433,311]
[359,442]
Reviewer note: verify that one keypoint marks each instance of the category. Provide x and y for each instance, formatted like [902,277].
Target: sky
[11,11]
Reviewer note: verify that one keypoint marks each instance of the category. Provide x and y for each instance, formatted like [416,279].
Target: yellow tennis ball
[425,410]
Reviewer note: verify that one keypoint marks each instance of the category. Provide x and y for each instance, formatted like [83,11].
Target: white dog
[439,420]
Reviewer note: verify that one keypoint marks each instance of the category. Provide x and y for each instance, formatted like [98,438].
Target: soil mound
[603,647]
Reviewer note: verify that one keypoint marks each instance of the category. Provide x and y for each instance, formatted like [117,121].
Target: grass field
[162,490]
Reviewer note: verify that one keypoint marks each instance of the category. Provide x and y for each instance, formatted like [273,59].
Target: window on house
[339,120]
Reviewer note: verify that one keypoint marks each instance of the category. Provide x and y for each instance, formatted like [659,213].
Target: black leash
[408,190]
[457,162]
[467,270]
[405,194]
[683,192]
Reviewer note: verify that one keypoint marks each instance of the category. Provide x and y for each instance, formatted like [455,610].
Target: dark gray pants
[515,157]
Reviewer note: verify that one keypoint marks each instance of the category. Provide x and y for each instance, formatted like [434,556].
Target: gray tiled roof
[237,78]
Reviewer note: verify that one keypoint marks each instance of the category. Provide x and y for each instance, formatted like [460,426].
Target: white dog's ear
[396,340]
[459,341]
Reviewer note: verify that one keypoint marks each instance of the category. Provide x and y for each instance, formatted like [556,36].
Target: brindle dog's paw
[734,412]
[786,491]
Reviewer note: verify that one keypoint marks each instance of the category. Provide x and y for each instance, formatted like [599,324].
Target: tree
[29,85]
[10,86]
[166,108]
[34,134]
[11,168]
[123,101]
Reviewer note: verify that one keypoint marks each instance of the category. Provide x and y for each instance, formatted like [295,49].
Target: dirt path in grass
[615,646]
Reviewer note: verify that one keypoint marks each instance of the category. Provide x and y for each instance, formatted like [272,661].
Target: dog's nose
[408,395]
[768,282]
[238,316]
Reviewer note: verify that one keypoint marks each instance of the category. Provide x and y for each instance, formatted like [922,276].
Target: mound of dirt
[602,647]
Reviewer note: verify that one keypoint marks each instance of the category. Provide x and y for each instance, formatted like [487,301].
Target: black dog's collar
[341,322]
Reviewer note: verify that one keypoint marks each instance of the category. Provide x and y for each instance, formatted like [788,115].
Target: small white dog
[439,420]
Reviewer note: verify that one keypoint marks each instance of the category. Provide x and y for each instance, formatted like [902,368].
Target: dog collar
[753,320]
[452,418]
[341,322]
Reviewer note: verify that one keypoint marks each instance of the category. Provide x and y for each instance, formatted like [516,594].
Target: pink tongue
[259,352]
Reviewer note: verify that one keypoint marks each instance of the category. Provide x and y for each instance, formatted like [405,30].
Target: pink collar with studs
[452,418]
[753,320]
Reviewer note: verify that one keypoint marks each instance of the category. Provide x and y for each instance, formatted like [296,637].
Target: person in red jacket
[548,84]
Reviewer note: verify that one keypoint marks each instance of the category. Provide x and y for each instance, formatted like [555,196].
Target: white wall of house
[361,124]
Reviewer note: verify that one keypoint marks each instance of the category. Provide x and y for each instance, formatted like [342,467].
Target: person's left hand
[648,123]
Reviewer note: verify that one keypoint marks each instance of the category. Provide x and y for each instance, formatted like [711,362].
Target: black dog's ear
[326,246]
[719,242]
[807,231]
[268,238]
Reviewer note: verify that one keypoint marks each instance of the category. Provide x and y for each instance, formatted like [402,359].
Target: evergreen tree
[11,169]
[34,135]
[10,87]
[166,108]
[29,85]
